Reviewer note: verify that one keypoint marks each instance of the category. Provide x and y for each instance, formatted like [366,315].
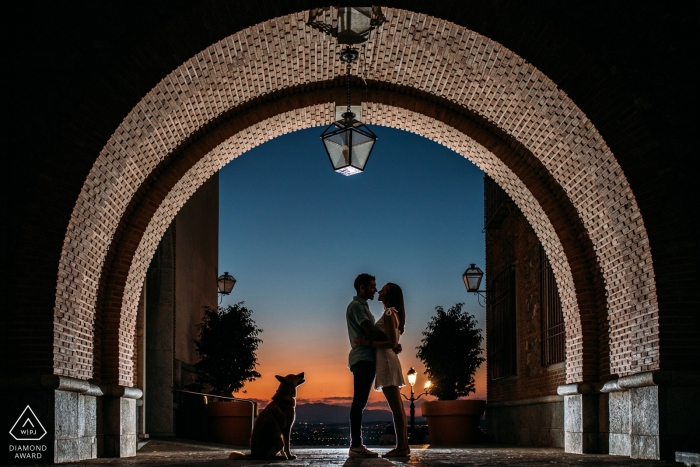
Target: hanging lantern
[348,144]
[348,141]
[354,24]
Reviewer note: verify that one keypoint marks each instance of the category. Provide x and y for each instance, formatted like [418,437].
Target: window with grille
[501,316]
[552,316]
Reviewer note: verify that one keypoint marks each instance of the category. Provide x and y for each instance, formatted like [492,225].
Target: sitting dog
[274,424]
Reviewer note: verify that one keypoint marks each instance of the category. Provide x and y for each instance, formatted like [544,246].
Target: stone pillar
[619,411]
[654,414]
[581,429]
[66,411]
[118,421]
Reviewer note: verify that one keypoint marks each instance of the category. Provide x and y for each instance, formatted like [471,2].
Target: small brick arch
[429,76]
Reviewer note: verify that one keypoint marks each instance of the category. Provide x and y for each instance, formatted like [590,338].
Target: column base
[64,414]
[652,415]
[581,427]
[118,420]
[70,420]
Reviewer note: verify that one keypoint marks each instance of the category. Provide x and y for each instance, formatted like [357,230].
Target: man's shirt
[357,313]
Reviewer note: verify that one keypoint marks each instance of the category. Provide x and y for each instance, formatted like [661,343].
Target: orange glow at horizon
[323,358]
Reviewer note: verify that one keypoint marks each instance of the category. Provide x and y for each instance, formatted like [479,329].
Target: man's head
[366,286]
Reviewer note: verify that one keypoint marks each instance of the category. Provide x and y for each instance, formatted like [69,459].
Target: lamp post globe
[411,376]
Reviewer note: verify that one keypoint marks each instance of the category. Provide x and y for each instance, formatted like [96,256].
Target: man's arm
[372,332]
[377,335]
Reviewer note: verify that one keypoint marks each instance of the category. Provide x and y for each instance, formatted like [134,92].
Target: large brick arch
[429,76]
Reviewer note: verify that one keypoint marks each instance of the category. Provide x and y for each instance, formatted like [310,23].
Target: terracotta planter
[231,422]
[453,422]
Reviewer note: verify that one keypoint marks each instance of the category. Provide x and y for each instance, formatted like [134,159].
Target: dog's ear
[280,378]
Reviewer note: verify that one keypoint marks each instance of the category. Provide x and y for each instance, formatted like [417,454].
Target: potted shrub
[451,352]
[227,345]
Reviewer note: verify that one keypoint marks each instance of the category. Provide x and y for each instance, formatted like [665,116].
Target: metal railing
[185,391]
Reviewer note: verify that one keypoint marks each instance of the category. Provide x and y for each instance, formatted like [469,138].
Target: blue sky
[295,235]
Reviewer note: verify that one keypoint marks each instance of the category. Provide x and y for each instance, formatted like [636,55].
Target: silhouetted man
[361,360]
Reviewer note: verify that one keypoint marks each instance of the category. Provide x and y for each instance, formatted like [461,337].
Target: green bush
[228,340]
[451,352]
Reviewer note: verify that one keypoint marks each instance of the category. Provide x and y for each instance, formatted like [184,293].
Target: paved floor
[188,453]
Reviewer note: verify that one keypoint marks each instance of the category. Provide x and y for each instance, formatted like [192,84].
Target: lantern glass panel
[354,24]
[362,146]
[348,144]
[338,149]
[472,278]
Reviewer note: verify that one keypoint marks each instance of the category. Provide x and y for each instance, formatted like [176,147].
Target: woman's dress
[388,366]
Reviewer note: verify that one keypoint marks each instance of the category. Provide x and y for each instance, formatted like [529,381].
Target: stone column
[66,412]
[118,434]
[581,430]
[654,414]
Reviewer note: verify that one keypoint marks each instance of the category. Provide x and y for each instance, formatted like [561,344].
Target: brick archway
[429,76]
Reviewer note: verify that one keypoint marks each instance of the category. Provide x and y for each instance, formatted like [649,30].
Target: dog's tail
[238,455]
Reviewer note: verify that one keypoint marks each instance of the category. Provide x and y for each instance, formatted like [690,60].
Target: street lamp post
[412,381]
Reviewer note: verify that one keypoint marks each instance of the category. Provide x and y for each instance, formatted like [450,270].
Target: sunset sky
[295,235]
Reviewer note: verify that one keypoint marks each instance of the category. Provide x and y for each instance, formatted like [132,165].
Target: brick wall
[514,242]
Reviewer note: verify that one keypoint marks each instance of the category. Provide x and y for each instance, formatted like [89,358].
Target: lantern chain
[347,80]
[348,55]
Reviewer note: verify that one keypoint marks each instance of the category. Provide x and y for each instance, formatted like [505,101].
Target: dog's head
[291,382]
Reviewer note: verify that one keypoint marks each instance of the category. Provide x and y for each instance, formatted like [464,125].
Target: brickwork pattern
[414,50]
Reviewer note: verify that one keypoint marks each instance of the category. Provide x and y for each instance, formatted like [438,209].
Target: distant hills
[327,413]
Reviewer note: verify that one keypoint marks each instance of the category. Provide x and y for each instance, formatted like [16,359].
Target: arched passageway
[483,101]
[423,73]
